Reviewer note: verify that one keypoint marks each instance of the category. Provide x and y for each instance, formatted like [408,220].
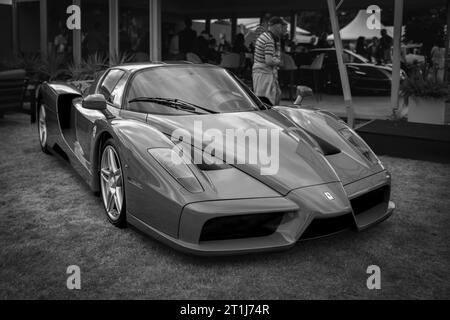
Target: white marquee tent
[358,27]
[251,24]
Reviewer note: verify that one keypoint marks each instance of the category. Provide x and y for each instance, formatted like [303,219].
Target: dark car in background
[364,77]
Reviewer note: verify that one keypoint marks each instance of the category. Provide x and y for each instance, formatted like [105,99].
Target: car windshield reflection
[208,87]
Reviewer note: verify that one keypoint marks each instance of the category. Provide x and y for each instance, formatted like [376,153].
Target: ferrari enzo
[117,133]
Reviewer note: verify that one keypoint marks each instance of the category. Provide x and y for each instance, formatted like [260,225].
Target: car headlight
[177,167]
[355,140]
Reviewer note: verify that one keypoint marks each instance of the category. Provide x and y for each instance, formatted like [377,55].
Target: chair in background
[13,84]
[192,57]
[287,74]
[230,61]
[316,68]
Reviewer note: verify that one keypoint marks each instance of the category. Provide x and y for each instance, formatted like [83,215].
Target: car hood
[294,164]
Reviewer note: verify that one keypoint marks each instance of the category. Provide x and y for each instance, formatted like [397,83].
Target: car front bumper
[296,211]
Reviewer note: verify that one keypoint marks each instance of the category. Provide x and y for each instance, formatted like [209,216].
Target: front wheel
[42,128]
[112,185]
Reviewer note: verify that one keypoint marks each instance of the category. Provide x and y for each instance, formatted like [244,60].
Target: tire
[42,128]
[112,185]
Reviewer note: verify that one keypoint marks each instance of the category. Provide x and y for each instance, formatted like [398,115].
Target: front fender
[133,139]
[152,195]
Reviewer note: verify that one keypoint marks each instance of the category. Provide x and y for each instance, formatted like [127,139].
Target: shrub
[420,85]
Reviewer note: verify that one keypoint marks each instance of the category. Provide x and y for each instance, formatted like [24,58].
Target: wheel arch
[99,143]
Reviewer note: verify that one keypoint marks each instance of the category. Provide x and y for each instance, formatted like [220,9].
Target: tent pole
[76,40]
[155,29]
[43,28]
[113,29]
[342,68]
[208,25]
[15,28]
[447,39]
[233,29]
[395,84]
[293,25]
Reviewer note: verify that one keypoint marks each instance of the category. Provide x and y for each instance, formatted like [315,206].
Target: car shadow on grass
[309,246]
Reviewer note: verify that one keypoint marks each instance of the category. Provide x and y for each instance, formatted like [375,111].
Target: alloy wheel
[42,125]
[111,180]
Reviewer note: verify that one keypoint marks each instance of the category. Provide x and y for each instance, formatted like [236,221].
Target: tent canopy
[358,27]
[253,23]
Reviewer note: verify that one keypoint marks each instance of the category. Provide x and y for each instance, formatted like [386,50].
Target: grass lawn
[50,220]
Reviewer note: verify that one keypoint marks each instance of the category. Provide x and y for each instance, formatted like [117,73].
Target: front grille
[369,200]
[321,227]
[241,226]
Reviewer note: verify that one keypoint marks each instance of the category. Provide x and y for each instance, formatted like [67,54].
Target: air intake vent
[241,226]
[328,226]
[370,200]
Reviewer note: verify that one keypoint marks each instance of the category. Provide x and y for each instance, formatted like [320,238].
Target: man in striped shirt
[267,59]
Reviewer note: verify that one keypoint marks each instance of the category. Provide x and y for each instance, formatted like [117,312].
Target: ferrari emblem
[328,195]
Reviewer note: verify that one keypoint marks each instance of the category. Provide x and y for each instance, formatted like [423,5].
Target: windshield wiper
[173,103]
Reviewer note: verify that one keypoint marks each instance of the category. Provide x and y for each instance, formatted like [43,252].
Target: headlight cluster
[177,167]
[359,144]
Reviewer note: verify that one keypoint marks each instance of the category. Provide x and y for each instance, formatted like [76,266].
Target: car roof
[136,66]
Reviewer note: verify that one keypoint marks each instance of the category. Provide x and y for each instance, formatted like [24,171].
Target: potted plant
[118,58]
[425,99]
[83,74]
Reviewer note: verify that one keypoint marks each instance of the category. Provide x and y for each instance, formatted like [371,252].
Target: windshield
[207,87]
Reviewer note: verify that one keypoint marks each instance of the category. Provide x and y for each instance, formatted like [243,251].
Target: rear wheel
[42,128]
[112,185]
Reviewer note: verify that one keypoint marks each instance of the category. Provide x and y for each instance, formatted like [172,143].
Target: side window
[93,86]
[109,82]
[118,91]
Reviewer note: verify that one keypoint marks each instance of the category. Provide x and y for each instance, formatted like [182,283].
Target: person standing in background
[438,60]
[372,51]
[323,42]
[267,59]
[203,46]
[240,48]
[361,48]
[187,38]
[61,41]
[224,46]
[384,47]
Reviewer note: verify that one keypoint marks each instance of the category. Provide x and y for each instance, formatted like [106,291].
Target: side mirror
[94,102]
[302,92]
[266,101]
